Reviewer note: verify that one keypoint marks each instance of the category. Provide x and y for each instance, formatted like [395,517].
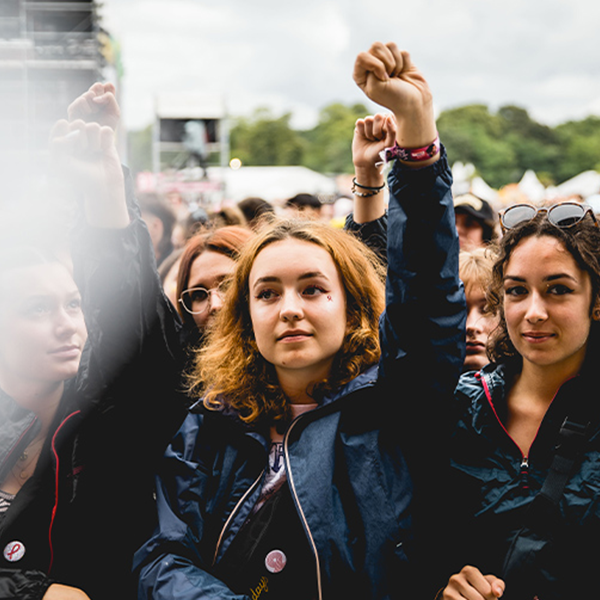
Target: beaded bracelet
[410,154]
[373,191]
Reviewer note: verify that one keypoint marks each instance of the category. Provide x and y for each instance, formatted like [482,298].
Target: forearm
[425,300]
[369,205]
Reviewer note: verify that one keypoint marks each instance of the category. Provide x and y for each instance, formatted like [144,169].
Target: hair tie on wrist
[373,191]
[409,154]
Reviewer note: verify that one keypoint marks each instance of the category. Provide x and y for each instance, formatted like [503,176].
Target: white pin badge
[14,551]
[275,561]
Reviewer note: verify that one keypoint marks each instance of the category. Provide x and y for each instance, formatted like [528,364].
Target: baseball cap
[476,207]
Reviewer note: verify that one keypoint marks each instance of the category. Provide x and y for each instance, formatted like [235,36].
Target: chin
[474,364]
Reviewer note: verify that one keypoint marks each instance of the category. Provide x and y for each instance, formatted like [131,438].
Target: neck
[298,384]
[542,382]
[297,388]
[40,398]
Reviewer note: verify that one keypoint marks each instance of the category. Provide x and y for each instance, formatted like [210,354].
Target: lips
[474,347]
[293,335]
[537,337]
[67,351]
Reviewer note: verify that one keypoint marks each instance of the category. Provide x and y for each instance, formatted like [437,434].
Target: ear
[596,310]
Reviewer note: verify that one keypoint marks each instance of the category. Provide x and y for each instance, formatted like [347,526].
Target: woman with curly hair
[526,446]
[295,475]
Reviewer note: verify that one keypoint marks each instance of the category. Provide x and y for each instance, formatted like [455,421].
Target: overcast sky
[297,56]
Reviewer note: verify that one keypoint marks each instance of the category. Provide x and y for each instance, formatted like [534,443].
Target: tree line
[501,145]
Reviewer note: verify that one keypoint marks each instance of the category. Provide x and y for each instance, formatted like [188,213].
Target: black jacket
[494,485]
[86,508]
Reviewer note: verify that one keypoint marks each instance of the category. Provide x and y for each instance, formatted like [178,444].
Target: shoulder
[205,431]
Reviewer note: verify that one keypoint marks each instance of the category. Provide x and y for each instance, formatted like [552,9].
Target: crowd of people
[251,403]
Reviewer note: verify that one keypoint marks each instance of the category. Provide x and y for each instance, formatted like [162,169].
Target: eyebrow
[549,278]
[36,297]
[273,279]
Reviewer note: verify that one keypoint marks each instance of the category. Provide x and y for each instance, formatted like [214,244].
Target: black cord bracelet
[367,187]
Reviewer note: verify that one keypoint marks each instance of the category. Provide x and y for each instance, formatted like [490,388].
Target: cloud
[298,57]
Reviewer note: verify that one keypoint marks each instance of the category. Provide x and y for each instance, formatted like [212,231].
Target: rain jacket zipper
[292,487]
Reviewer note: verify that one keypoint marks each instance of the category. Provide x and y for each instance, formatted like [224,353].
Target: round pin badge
[275,561]
[14,551]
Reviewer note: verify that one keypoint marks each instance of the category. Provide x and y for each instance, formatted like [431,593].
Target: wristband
[372,191]
[410,154]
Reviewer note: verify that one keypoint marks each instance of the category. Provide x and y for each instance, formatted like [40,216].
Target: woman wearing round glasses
[206,263]
[526,450]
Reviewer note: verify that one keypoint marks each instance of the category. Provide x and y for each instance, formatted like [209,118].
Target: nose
[291,306]
[536,308]
[473,320]
[67,323]
[216,301]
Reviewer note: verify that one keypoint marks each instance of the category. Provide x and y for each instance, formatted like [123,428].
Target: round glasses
[196,300]
[563,215]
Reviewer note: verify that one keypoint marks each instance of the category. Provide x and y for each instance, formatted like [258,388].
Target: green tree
[580,146]
[330,141]
[472,134]
[264,139]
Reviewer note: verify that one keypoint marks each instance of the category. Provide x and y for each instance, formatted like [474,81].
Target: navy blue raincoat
[357,466]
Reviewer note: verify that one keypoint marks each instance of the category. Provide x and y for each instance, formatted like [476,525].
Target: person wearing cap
[475,221]
[304,205]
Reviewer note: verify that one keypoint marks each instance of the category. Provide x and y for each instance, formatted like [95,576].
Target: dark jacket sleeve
[373,234]
[169,565]
[134,356]
[24,585]
[423,328]
[423,342]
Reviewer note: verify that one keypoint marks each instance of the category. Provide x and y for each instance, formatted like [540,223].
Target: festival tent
[274,184]
[532,187]
[585,184]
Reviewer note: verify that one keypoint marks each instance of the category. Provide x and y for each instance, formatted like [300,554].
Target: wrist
[416,130]
[369,176]
[416,157]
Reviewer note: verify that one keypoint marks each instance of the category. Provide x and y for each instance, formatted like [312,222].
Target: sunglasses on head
[563,215]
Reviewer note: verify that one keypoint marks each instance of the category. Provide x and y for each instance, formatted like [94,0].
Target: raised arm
[368,219]
[424,321]
[422,329]
[371,136]
[86,156]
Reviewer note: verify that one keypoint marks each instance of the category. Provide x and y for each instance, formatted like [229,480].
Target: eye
[38,309]
[74,305]
[224,285]
[266,294]
[559,289]
[313,290]
[198,295]
[515,291]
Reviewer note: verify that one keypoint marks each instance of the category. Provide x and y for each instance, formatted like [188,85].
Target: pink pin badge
[275,561]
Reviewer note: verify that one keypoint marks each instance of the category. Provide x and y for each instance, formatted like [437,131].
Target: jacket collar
[18,426]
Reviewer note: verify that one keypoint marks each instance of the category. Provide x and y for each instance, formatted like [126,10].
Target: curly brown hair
[582,241]
[231,373]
